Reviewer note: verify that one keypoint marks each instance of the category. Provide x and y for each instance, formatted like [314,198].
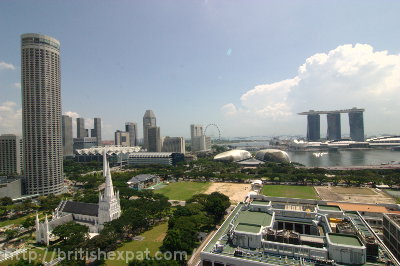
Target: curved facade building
[233,156]
[41,114]
[273,155]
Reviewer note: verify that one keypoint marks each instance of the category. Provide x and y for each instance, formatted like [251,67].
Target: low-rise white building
[261,232]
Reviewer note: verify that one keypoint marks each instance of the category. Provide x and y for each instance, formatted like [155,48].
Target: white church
[91,215]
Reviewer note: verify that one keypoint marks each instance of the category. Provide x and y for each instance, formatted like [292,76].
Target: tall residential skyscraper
[10,154]
[97,130]
[67,137]
[149,120]
[41,114]
[131,128]
[80,128]
[154,139]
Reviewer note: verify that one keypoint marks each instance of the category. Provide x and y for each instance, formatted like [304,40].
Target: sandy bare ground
[364,195]
[235,192]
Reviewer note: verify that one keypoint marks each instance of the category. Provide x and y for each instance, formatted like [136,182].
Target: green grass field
[183,190]
[287,191]
[152,241]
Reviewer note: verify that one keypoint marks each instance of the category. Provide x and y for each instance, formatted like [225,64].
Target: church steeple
[105,162]
[109,189]
[109,205]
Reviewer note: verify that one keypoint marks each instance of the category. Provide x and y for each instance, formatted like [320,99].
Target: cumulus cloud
[347,76]
[74,115]
[229,109]
[10,118]
[4,65]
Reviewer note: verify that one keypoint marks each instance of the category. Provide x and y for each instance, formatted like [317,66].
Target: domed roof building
[273,155]
[233,156]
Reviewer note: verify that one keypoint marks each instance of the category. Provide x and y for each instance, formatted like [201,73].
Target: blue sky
[201,61]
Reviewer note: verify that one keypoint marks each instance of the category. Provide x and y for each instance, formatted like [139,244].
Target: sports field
[353,194]
[353,190]
[287,191]
[152,242]
[183,190]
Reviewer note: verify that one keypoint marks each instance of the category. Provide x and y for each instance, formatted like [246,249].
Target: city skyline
[199,63]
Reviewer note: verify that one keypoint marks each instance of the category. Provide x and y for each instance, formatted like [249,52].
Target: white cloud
[229,109]
[17,85]
[345,77]
[4,65]
[74,115]
[10,118]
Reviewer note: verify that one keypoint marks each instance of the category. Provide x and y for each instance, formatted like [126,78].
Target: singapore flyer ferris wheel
[212,130]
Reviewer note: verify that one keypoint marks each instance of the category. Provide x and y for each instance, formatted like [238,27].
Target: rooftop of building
[90,209]
[359,207]
[254,255]
[254,218]
[329,207]
[151,154]
[395,218]
[260,202]
[312,112]
[141,178]
[344,239]
[248,228]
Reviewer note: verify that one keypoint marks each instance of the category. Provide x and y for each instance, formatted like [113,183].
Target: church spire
[109,190]
[105,162]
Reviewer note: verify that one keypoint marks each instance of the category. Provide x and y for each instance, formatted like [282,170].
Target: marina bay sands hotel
[356,121]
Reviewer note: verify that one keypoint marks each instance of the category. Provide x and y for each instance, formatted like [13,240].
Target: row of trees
[208,169]
[201,214]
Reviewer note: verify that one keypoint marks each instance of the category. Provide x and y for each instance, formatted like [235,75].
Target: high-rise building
[154,139]
[122,138]
[173,144]
[96,133]
[313,127]
[41,114]
[80,128]
[149,120]
[201,143]
[356,121]
[334,126]
[131,128]
[196,131]
[10,154]
[67,138]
